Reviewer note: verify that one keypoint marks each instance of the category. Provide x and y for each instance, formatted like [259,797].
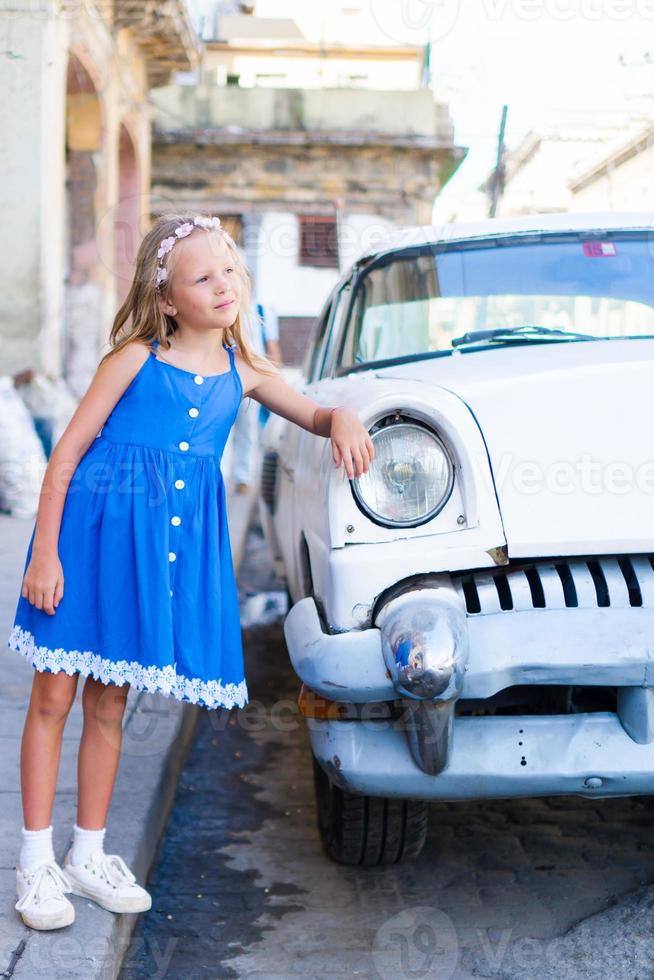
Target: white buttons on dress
[198,379]
[179,484]
[176,520]
[194,412]
[171,556]
[183,446]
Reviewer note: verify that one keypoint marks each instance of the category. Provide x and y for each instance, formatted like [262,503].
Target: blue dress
[150,594]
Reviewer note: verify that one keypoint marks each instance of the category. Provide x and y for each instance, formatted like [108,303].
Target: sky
[551,62]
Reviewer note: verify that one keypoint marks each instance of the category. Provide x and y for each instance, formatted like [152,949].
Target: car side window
[349,354]
[341,304]
[316,344]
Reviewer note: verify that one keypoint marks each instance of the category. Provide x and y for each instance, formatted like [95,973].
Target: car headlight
[410,478]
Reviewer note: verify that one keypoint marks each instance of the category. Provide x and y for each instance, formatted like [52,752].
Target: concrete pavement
[157,732]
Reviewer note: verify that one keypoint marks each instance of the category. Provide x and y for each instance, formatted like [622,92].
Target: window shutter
[318,241]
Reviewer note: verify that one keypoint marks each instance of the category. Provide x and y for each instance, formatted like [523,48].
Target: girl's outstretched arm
[351,443]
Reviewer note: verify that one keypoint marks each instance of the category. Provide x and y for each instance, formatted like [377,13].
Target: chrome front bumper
[598,647]
[476,656]
[492,757]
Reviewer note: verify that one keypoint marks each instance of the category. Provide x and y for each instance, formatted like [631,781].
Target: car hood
[569,437]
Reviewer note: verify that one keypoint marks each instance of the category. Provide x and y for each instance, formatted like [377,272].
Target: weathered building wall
[32,74]
[74,176]
[396,182]
[369,160]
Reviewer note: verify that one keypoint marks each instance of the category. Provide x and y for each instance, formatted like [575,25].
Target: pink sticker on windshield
[599,250]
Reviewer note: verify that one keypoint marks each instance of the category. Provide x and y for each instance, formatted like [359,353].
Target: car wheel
[367,830]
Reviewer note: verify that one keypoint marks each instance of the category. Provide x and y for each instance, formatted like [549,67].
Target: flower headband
[181,232]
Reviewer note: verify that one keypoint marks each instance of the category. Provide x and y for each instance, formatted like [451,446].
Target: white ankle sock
[85,842]
[36,848]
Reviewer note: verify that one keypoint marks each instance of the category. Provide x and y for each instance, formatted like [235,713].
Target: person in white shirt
[245,431]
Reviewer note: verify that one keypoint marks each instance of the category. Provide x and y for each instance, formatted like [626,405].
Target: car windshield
[420,303]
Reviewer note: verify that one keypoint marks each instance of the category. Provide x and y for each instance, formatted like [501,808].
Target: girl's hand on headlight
[351,444]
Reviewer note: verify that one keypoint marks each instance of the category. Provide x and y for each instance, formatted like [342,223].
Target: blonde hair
[140,317]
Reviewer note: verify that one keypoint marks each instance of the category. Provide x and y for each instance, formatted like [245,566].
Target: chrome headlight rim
[407,421]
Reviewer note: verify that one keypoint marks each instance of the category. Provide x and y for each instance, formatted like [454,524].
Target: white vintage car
[474,617]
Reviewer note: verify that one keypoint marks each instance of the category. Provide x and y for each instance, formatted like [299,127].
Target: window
[341,303]
[317,339]
[318,241]
[410,304]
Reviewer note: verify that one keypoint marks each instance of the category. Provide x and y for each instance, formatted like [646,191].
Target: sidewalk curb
[157,731]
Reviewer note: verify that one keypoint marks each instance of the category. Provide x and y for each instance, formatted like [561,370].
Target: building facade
[75,170]
[621,178]
[537,173]
[305,177]
[588,165]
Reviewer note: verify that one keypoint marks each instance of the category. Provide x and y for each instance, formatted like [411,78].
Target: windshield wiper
[518,333]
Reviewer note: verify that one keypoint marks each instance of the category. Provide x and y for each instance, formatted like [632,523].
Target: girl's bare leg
[40,751]
[99,750]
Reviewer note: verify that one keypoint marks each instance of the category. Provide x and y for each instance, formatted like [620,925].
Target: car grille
[618,581]
[269,479]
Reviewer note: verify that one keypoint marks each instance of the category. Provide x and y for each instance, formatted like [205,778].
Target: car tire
[367,830]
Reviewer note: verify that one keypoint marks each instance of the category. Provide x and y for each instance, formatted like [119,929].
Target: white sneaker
[41,900]
[106,879]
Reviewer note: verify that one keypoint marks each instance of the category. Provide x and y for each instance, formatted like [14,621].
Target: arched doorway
[128,212]
[83,291]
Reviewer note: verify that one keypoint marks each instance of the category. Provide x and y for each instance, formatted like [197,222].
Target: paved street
[241,888]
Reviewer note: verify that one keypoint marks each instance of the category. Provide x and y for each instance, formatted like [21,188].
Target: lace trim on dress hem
[156,680]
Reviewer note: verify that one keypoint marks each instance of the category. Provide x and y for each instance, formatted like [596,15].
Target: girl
[135,519]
